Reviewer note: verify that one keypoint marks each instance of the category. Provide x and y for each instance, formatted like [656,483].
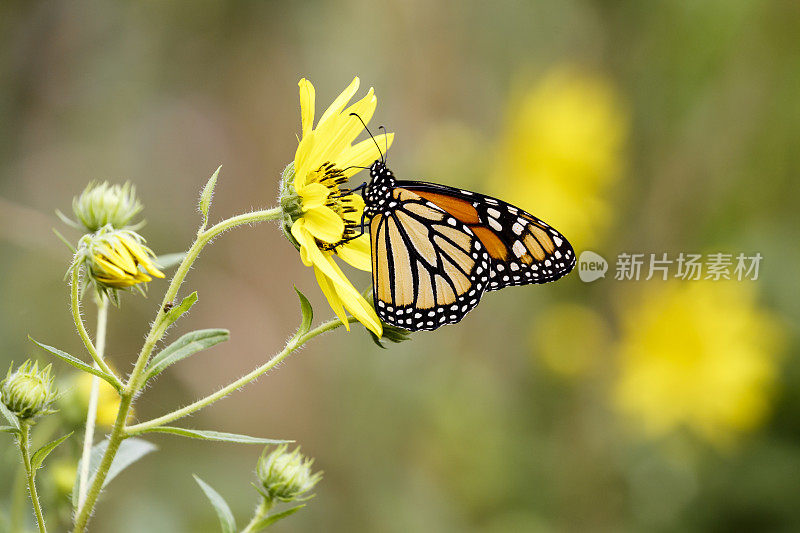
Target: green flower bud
[116,259]
[285,476]
[28,392]
[101,204]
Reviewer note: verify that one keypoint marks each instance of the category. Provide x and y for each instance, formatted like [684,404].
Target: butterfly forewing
[522,248]
[429,268]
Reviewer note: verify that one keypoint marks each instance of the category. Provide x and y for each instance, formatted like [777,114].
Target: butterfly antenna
[354,166]
[386,143]
[383,159]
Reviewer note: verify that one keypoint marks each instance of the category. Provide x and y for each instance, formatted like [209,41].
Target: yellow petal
[337,134]
[341,101]
[364,153]
[332,296]
[306,105]
[357,253]
[314,195]
[302,160]
[141,254]
[305,239]
[356,304]
[110,268]
[310,253]
[324,224]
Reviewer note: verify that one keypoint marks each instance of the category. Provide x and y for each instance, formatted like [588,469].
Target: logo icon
[591,266]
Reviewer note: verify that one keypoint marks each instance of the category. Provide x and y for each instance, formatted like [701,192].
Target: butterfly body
[437,249]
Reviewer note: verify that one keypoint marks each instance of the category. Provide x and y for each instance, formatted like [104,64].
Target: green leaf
[11,417]
[130,451]
[38,458]
[226,520]
[77,363]
[176,312]
[170,260]
[271,519]
[213,435]
[308,314]
[187,345]
[8,429]
[208,192]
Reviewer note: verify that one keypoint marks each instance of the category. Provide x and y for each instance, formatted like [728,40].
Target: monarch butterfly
[437,249]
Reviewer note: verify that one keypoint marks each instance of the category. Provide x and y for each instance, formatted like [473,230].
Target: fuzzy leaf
[176,312]
[11,417]
[271,519]
[170,260]
[38,458]
[226,520]
[187,345]
[8,429]
[213,435]
[77,363]
[308,314]
[130,451]
[207,194]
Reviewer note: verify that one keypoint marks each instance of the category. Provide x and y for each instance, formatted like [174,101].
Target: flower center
[341,203]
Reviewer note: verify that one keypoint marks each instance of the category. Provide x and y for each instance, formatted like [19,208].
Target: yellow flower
[325,220]
[563,150]
[116,259]
[700,356]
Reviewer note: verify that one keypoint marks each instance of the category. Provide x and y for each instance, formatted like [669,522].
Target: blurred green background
[639,127]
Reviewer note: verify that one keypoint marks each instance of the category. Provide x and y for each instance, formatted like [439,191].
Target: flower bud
[101,204]
[286,476]
[28,392]
[116,259]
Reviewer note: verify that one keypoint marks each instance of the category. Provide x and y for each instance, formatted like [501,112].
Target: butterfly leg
[351,191]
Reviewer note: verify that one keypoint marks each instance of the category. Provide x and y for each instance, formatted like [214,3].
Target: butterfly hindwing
[429,268]
[523,249]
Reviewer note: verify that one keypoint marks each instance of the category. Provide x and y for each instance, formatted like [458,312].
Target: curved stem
[136,380]
[91,415]
[76,317]
[24,448]
[293,345]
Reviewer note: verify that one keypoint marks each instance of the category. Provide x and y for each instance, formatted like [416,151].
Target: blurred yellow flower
[326,220]
[563,150]
[554,341]
[62,474]
[107,399]
[700,356]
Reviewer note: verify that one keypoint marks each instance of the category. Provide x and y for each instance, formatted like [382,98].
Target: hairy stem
[157,329]
[293,345]
[91,415]
[24,447]
[262,510]
[76,317]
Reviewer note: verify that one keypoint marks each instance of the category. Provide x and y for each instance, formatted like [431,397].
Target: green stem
[261,512]
[24,448]
[293,345]
[91,415]
[76,317]
[136,380]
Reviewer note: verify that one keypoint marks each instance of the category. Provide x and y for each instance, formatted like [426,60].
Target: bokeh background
[643,127]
